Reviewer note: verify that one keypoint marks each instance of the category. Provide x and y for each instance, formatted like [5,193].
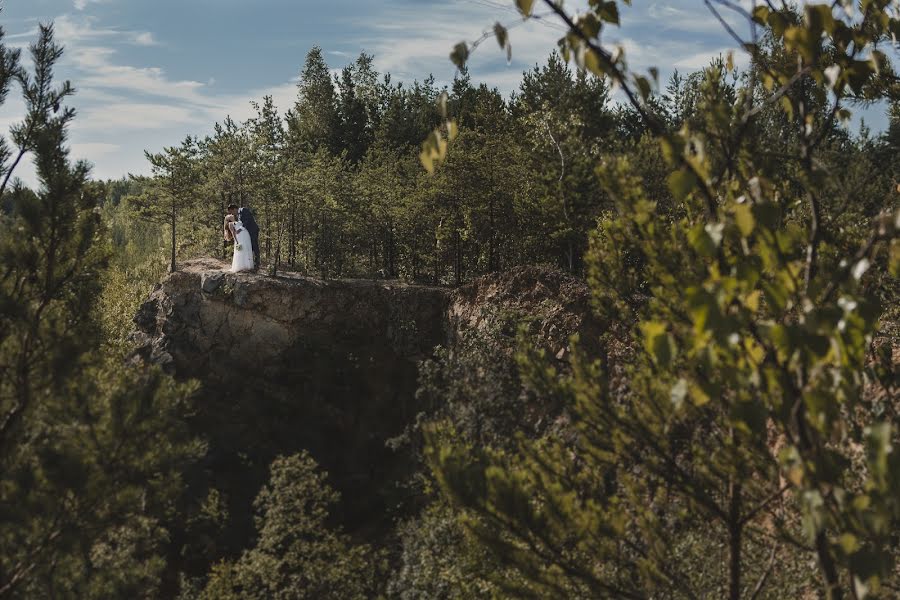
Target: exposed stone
[330,366]
[210,282]
[210,321]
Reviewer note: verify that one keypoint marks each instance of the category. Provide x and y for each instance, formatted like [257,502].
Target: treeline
[338,189]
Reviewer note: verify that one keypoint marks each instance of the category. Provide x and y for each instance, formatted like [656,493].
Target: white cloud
[94,149]
[79,29]
[693,19]
[128,116]
[701,60]
[145,38]
[238,106]
[83,4]
[410,44]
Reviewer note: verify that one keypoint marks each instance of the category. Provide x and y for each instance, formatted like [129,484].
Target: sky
[147,74]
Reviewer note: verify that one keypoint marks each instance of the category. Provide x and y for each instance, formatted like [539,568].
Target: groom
[245,216]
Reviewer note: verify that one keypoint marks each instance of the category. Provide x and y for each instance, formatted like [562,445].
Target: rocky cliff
[205,322]
[330,366]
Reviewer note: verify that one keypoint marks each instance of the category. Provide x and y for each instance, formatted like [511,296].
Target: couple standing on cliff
[241,228]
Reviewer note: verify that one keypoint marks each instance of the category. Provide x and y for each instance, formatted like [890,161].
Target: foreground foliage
[297,555]
[732,435]
[90,454]
[758,427]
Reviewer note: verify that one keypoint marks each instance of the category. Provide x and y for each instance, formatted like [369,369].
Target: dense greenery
[338,190]
[750,441]
[297,555]
[731,433]
[91,454]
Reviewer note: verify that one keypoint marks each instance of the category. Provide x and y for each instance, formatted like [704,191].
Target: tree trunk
[392,270]
[292,238]
[224,241]
[437,262]
[267,206]
[491,200]
[734,541]
[457,267]
[172,263]
[491,265]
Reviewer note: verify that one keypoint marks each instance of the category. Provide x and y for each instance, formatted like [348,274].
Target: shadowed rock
[330,366]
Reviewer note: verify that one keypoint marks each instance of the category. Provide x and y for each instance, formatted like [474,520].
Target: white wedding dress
[243,251]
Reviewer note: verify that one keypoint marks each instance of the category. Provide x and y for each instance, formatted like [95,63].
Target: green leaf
[849,543]
[803,40]
[894,260]
[643,85]
[700,240]
[743,218]
[681,183]
[658,343]
[699,396]
[589,25]
[819,18]
[460,55]
[778,23]
[501,34]
[608,11]
[760,14]
[427,160]
[525,7]
[592,63]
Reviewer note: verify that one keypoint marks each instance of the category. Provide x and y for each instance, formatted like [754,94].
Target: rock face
[204,322]
[292,363]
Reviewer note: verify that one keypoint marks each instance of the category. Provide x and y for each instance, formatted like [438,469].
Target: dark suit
[245,216]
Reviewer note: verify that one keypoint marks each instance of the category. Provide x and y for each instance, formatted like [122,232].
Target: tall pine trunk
[173,216]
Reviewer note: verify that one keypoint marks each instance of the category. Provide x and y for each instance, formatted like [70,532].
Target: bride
[243,252]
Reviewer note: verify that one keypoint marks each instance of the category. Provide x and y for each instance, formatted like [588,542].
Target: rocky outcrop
[293,362]
[205,322]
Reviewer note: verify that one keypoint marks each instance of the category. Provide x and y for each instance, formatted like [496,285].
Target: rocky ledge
[203,321]
[291,362]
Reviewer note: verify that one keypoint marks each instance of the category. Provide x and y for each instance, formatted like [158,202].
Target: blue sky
[149,73]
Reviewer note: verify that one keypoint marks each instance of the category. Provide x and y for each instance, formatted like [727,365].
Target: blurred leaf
[460,55]
[525,7]
[743,217]
[681,183]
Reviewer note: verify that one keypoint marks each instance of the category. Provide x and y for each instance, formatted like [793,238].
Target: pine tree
[267,131]
[297,555]
[315,119]
[355,128]
[176,178]
[90,453]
